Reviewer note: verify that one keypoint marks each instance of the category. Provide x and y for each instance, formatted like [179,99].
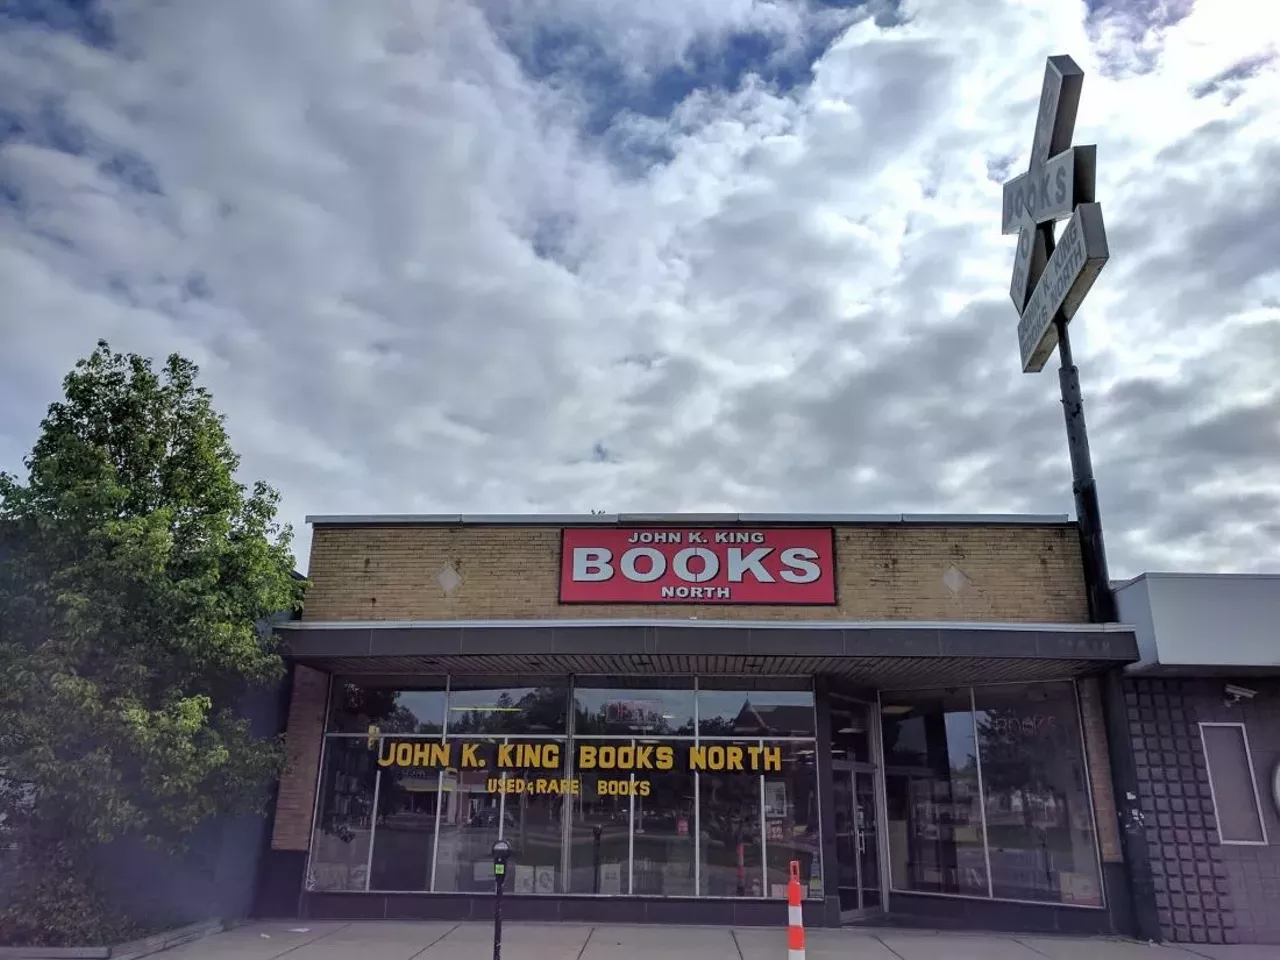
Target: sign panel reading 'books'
[697,565]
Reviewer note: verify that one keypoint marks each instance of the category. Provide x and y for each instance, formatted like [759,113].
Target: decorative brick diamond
[448,578]
[954,580]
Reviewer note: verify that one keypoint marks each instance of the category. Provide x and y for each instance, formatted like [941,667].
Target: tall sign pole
[1051,277]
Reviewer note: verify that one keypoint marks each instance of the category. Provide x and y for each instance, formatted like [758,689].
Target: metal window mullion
[373,825]
[502,799]
[764,839]
[315,808]
[631,837]
[435,842]
[982,799]
[566,797]
[448,698]
[697,804]
[881,787]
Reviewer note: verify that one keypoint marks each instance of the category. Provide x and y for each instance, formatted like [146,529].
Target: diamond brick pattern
[1205,892]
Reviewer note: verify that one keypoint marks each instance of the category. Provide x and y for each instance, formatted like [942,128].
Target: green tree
[135,575]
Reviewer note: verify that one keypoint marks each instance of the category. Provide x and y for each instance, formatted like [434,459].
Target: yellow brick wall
[885,572]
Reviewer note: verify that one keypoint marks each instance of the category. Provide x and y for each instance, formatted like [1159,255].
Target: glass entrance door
[857,843]
[857,821]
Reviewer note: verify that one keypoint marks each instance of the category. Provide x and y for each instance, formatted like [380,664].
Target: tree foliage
[135,573]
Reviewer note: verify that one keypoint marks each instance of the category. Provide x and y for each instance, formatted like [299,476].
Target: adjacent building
[1204,711]
[660,713]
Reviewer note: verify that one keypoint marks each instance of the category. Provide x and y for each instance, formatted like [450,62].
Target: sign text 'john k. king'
[702,565]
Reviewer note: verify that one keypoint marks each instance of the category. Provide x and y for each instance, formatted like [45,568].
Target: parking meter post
[596,856]
[501,851]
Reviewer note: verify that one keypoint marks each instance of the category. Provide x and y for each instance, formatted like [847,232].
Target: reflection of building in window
[1029,815]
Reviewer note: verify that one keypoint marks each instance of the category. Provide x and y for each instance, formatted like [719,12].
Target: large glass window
[404,841]
[754,708]
[791,819]
[731,833]
[934,814]
[1036,794]
[356,707]
[600,830]
[988,794]
[508,710]
[651,786]
[664,841]
[343,827]
[635,709]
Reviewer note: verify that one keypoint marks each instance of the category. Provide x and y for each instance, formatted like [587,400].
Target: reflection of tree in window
[539,710]
[362,706]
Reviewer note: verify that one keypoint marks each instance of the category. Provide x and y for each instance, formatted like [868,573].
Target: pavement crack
[876,936]
[736,945]
[435,941]
[590,934]
[1023,943]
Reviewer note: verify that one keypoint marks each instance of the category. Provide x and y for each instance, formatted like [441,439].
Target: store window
[791,820]
[1036,794]
[628,793]
[404,838]
[754,708]
[663,818]
[525,711]
[731,833]
[637,708]
[344,818]
[934,810]
[990,775]
[355,707]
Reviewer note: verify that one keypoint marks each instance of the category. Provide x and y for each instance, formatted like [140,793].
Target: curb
[123,951]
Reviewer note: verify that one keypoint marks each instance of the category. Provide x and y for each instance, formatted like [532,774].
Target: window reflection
[1036,790]
[664,825]
[730,834]
[469,818]
[934,815]
[791,820]
[747,709]
[508,710]
[628,710]
[340,841]
[599,842]
[356,707]
[404,841]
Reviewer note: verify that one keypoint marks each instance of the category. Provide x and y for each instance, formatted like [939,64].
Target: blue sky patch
[86,19]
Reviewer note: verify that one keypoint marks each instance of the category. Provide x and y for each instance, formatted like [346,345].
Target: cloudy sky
[563,255]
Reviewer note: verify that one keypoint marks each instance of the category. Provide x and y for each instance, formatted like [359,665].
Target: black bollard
[501,851]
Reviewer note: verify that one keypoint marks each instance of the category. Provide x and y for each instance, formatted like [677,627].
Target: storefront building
[1204,713]
[660,713]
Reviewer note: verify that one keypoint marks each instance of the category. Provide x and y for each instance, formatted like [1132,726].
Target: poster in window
[775,798]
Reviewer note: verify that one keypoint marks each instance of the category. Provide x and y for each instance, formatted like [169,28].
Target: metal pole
[1145,920]
[497,918]
[1097,581]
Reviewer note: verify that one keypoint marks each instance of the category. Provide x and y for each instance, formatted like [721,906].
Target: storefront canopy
[881,654]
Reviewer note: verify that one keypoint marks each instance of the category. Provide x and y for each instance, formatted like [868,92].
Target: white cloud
[802,306]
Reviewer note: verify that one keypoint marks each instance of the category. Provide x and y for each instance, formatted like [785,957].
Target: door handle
[862,842]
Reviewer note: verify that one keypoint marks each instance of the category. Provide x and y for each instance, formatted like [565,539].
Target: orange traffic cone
[795,918]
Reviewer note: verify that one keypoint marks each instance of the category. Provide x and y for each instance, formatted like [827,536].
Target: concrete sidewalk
[399,940]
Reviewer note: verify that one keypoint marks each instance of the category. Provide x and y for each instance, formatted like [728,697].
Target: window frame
[1253,782]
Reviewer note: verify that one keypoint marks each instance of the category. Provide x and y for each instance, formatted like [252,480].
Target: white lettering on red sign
[783,566]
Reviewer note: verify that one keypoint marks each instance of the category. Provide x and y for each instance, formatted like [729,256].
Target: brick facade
[1206,892]
[884,572]
[296,795]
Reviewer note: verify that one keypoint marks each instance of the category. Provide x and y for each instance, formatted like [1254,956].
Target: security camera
[1236,694]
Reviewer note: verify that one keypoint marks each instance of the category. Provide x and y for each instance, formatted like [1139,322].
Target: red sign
[702,565]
